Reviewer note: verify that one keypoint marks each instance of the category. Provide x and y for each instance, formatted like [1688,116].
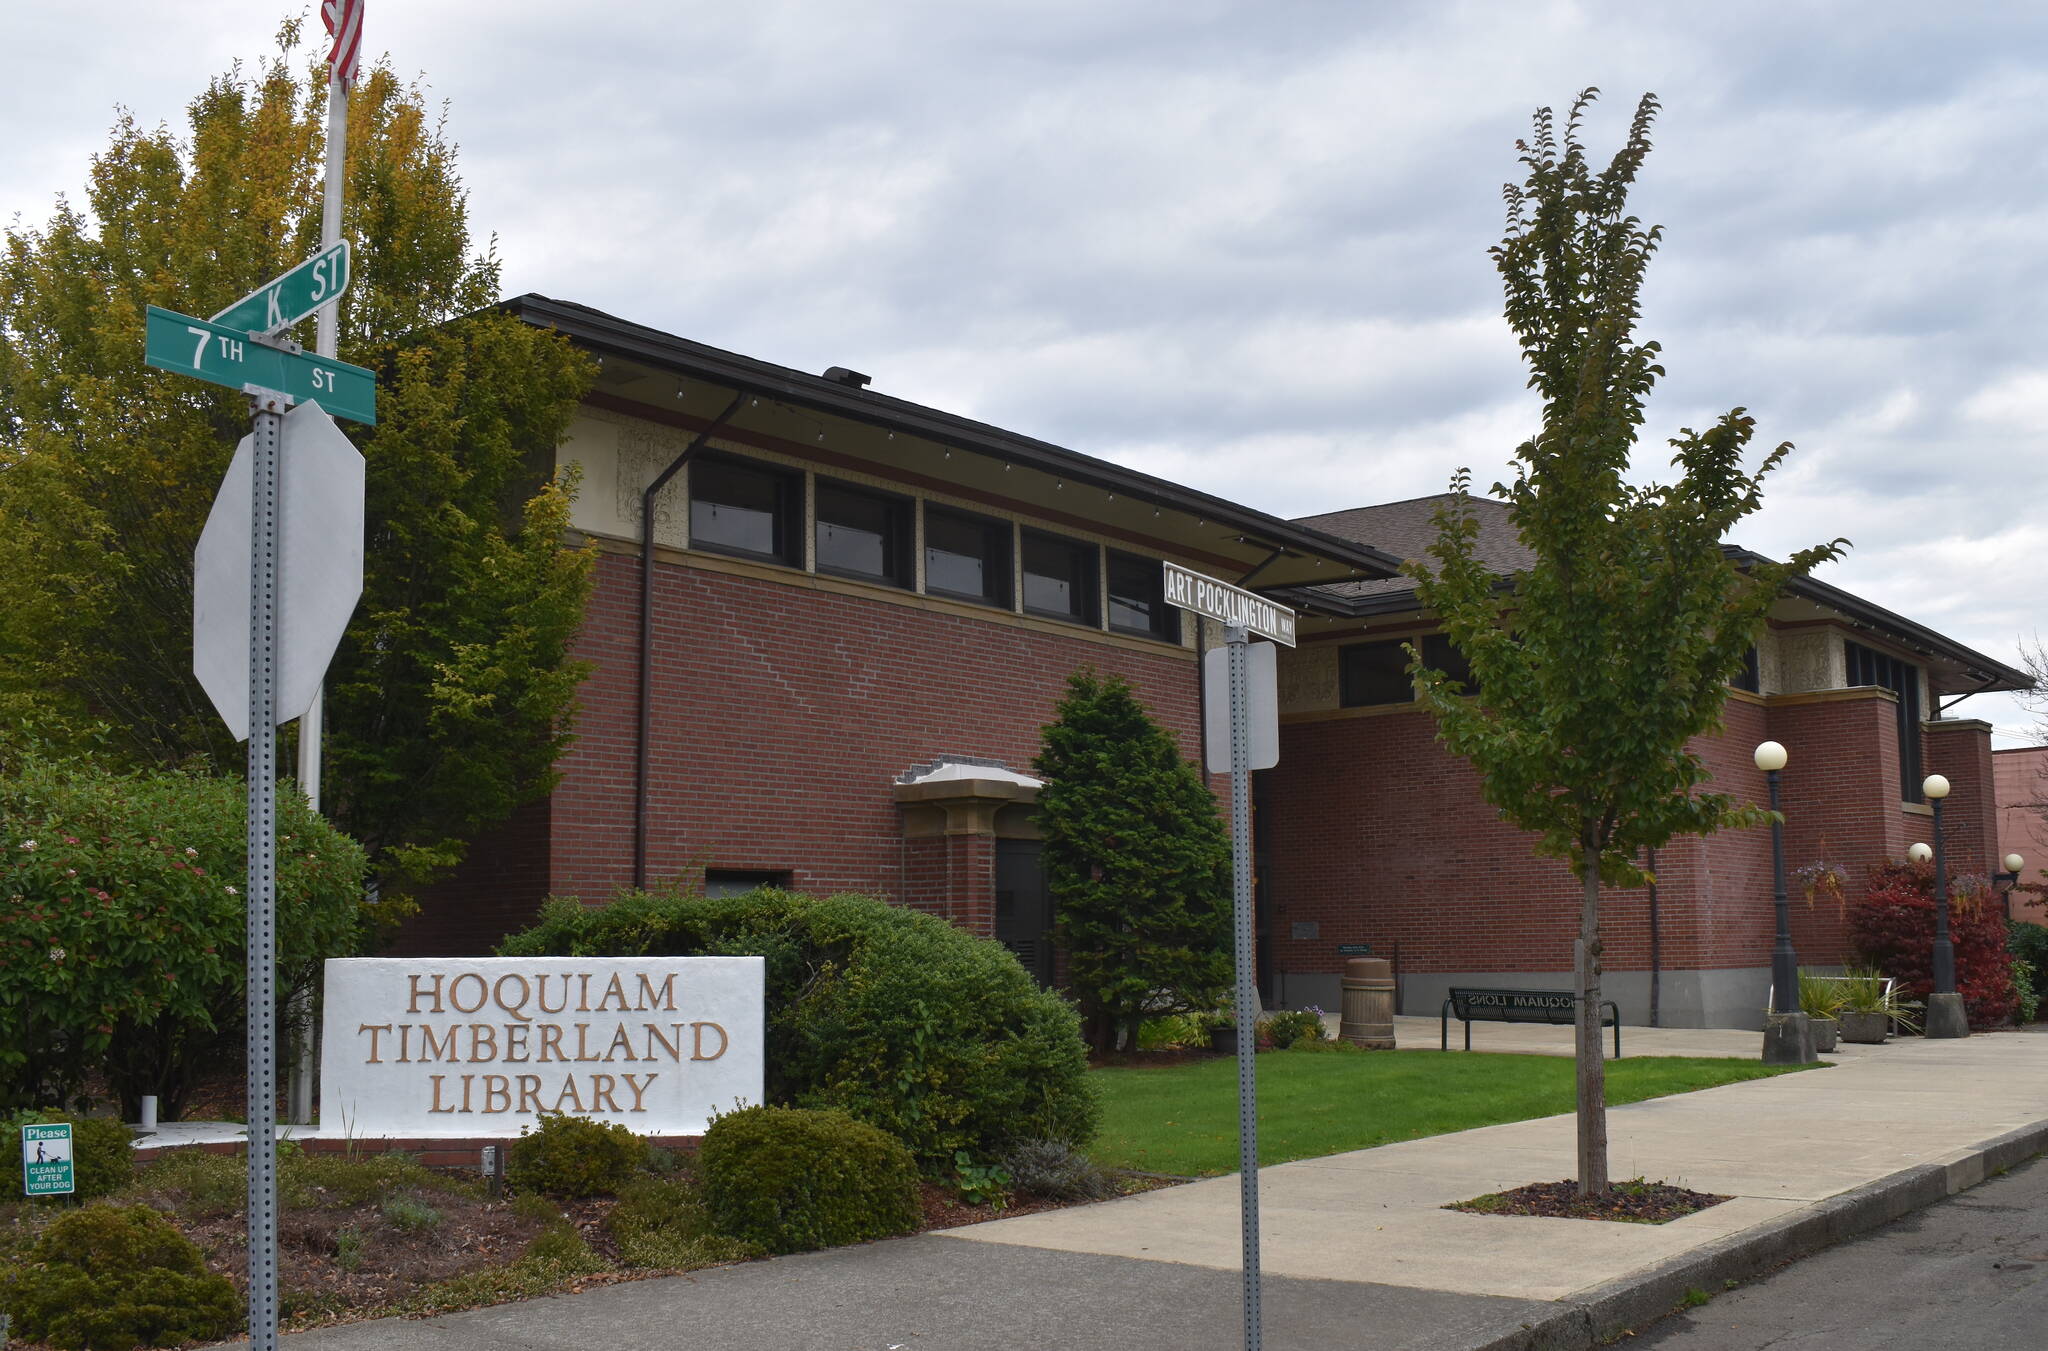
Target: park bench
[1557,1007]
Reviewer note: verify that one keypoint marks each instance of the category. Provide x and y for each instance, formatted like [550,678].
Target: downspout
[644,736]
[1656,950]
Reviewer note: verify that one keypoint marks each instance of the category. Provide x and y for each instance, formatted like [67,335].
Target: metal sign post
[1242,613]
[268,410]
[275,374]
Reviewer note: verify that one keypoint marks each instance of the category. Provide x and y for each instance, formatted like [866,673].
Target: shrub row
[897,1018]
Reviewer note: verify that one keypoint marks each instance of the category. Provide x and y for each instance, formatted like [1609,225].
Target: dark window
[1377,673]
[1137,598]
[740,881]
[747,508]
[1374,673]
[1870,667]
[1749,680]
[967,556]
[861,533]
[1059,577]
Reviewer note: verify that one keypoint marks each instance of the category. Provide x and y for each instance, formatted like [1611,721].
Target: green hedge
[892,1016]
[788,1180]
[123,922]
[113,1277]
[102,1153]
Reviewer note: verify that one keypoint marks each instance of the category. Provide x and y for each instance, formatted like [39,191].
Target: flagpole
[312,724]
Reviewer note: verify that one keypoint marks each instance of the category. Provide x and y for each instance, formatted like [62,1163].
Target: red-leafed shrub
[1892,929]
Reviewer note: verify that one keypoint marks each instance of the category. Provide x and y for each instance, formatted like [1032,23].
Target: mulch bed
[1634,1202]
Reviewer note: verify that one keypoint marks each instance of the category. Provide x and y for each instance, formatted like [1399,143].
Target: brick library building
[828,625]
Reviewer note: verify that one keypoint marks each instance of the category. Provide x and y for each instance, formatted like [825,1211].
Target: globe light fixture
[1945,1017]
[1788,1033]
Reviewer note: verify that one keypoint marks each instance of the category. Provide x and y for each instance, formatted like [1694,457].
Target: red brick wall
[1969,817]
[782,715]
[497,890]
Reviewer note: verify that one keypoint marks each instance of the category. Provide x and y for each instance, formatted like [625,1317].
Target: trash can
[1368,1003]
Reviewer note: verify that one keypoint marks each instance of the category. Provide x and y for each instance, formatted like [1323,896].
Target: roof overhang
[1263,551]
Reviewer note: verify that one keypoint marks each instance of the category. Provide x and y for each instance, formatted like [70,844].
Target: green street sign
[283,301]
[46,1161]
[226,356]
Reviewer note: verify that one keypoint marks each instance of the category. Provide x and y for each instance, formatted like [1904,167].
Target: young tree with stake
[1615,649]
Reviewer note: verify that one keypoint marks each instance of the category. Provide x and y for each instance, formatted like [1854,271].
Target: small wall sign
[46,1168]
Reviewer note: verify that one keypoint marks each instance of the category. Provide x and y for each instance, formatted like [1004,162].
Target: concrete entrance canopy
[953,813]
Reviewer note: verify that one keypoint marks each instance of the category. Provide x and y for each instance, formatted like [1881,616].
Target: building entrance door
[1024,907]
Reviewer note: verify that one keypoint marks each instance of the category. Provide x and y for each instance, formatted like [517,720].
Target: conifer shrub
[894,1017]
[102,1153]
[115,1277]
[1136,859]
[574,1156]
[1891,927]
[791,1180]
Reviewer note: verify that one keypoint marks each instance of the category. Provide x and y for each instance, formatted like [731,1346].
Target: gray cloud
[1244,245]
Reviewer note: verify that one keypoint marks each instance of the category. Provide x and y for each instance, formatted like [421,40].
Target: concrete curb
[1634,1302]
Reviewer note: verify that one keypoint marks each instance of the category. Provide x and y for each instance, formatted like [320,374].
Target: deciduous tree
[1615,648]
[451,695]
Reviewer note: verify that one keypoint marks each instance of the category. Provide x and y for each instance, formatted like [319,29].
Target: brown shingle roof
[1408,528]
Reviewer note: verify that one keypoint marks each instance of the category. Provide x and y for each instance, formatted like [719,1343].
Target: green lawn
[1183,1119]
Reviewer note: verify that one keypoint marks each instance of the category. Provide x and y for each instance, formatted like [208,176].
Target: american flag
[344,20]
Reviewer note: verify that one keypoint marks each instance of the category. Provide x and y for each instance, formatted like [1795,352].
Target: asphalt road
[1971,1271]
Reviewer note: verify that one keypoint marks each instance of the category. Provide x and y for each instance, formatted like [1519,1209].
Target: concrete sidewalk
[1357,1249]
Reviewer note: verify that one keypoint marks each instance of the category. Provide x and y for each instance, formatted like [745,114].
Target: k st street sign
[1228,604]
[230,356]
[283,301]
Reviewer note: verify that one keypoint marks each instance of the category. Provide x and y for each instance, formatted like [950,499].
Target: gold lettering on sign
[568,1095]
[443,1050]
[550,1043]
[373,1029]
[525,993]
[435,991]
[601,1094]
[620,1040]
[529,1093]
[540,994]
[639,1089]
[498,1090]
[437,1107]
[483,992]
[674,1048]
[465,1091]
[483,1040]
[515,1041]
[698,1051]
[405,1043]
[665,998]
[583,993]
[615,990]
[583,1043]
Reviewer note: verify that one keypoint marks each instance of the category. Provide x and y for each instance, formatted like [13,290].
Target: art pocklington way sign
[1249,707]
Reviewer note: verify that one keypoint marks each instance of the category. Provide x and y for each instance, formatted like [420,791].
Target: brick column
[1959,749]
[949,847]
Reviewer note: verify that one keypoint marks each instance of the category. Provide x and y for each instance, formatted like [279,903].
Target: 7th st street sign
[283,301]
[232,357]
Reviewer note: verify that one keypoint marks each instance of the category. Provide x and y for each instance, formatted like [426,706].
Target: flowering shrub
[1892,928]
[122,924]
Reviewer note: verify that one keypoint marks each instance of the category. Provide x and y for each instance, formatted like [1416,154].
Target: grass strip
[1182,1119]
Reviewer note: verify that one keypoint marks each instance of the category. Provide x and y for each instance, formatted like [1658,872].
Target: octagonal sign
[319,568]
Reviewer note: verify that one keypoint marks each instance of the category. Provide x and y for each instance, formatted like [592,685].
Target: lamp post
[1788,1033]
[2008,879]
[1945,1016]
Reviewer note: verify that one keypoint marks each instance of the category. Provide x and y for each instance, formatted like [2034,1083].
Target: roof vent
[840,375]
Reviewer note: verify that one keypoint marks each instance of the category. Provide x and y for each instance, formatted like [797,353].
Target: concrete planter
[1826,1033]
[1865,1029]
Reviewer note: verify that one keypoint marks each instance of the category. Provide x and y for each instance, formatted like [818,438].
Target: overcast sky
[1243,245]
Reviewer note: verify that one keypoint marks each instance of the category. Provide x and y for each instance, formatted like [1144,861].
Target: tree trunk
[1592,1070]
